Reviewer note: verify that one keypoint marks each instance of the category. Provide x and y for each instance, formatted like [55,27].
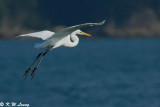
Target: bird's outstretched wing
[40,35]
[73,28]
[69,30]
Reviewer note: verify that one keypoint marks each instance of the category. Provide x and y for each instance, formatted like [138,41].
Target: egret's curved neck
[75,40]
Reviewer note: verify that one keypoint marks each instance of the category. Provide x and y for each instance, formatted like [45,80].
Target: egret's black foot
[26,73]
[33,72]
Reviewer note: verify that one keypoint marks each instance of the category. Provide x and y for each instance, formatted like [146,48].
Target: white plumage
[65,37]
[60,38]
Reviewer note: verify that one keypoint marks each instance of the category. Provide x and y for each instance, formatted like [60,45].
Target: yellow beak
[86,34]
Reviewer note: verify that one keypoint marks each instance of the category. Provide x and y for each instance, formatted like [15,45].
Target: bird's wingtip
[102,22]
[17,36]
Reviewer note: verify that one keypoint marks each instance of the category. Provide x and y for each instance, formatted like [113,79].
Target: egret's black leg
[26,73]
[33,71]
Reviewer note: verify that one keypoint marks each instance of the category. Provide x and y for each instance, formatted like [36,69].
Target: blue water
[96,73]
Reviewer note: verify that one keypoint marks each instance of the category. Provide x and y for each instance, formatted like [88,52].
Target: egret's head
[79,32]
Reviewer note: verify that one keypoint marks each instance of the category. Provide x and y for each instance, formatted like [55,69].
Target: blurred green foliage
[17,15]
[33,13]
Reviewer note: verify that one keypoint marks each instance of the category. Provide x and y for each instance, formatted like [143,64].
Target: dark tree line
[43,14]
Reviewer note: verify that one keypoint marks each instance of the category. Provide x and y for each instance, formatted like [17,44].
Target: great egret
[53,40]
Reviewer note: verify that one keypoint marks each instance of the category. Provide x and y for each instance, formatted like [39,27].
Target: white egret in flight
[65,37]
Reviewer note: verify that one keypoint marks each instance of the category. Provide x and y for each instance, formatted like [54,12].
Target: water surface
[96,73]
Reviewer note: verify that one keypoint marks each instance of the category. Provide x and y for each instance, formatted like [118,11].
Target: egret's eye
[81,33]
